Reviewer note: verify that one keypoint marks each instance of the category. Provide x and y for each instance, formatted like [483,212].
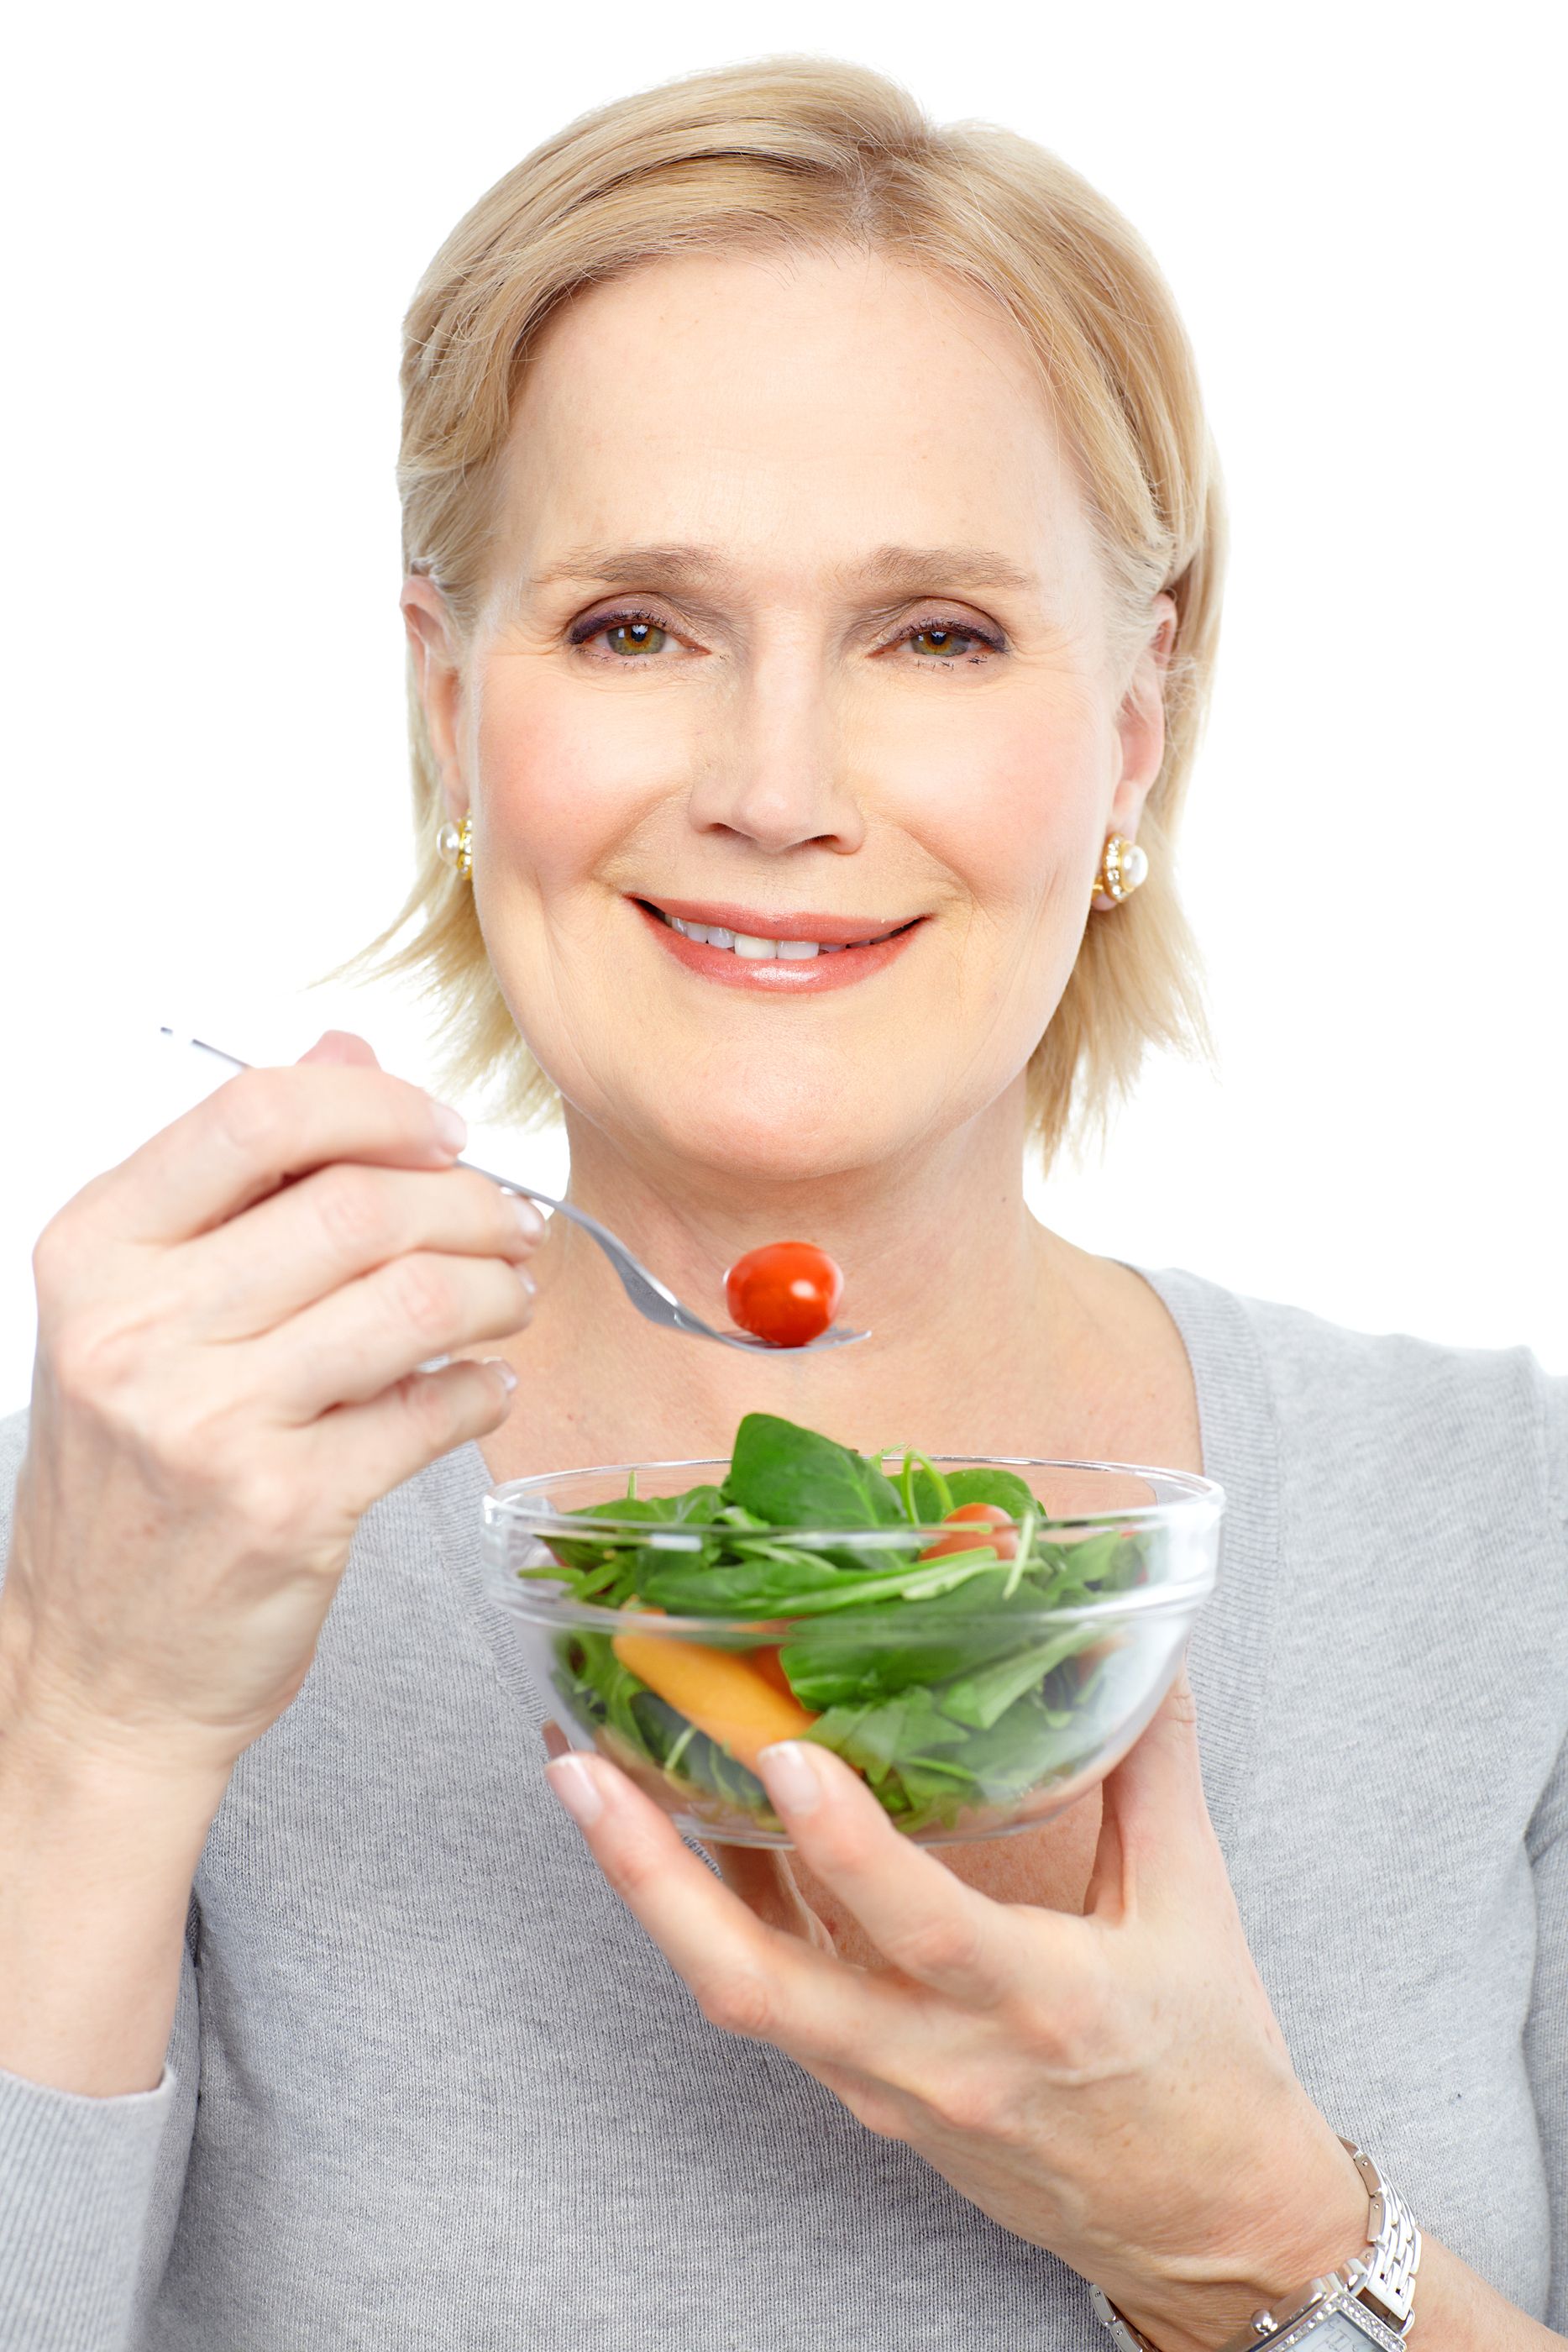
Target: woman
[811,535]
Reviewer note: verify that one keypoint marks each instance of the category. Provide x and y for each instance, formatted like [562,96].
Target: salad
[914,1623]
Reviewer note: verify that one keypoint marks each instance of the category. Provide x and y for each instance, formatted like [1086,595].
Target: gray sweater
[431,2087]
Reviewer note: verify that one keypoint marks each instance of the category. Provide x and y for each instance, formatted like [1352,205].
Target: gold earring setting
[1122,866]
[454,846]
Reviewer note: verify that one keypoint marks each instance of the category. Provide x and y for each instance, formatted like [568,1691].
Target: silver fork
[647,1292]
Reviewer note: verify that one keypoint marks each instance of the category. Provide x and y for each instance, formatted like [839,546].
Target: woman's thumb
[341,1045]
[1155,1833]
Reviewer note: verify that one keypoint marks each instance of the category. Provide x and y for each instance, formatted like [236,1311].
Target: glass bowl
[975,1692]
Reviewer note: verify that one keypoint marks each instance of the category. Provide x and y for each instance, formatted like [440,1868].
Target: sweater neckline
[1229,1653]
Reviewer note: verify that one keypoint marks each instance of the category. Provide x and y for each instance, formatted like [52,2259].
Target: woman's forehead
[825,408]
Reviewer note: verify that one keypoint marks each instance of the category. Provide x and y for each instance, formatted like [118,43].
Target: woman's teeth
[753,950]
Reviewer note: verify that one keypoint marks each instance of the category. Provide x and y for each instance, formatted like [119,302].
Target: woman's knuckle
[266,1504]
[966,2104]
[1068,2033]
[192,1437]
[879,2113]
[254,1113]
[738,2002]
[55,1254]
[934,1947]
[354,1210]
[92,1360]
[433,1406]
[423,1295]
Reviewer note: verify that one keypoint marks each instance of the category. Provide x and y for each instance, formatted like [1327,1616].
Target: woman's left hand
[1113,2087]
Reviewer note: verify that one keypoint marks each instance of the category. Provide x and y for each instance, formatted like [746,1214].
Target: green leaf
[992,1485]
[871,1651]
[734,1588]
[980,1699]
[791,1477]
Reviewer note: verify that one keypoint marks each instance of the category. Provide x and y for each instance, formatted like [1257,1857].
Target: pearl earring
[1122,866]
[454,845]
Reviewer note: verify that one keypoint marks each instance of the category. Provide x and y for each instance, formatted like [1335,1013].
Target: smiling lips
[745,949]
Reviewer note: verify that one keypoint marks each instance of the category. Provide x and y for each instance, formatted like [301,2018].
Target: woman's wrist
[1288,2223]
[98,1844]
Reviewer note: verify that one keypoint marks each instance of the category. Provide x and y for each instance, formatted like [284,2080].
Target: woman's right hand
[229,1327]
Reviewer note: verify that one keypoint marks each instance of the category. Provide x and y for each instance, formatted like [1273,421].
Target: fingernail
[499,1364]
[573,1783]
[788,1772]
[527,1216]
[451,1127]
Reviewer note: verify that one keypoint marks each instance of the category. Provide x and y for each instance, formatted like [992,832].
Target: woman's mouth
[795,953]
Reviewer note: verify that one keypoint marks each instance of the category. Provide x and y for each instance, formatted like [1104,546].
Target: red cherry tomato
[982,1522]
[787,1292]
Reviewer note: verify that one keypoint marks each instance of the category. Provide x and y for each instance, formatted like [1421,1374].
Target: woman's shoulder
[1389,1409]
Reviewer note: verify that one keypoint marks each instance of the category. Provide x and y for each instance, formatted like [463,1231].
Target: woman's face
[796,631]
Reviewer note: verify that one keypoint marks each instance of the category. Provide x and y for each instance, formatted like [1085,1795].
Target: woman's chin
[746,1143]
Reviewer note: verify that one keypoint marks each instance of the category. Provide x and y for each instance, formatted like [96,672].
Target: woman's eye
[631,638]
[941,641]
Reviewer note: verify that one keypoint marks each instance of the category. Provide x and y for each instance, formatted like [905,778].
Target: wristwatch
[1366,2302]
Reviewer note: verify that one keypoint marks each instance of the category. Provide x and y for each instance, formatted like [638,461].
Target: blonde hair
[802,153]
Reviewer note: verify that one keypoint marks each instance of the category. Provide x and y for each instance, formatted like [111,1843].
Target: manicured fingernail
[451,1127]
[788,1771]
[527,1216]
[573,1783]
[499,1364]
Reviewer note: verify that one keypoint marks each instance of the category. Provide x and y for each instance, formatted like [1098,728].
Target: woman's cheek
[564,777]
[1015,819]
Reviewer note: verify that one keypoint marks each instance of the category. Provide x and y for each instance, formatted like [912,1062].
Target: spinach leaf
[979,1486]
[745,1587]
[887,1732]
[872,1652]
[981,1697]
[791,1477]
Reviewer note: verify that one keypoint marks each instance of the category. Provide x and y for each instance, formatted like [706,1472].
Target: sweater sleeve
[1546,2033]
[90,2188]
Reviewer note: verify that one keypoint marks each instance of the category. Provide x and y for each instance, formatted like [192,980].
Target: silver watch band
[1393,2255]
[1378,2285]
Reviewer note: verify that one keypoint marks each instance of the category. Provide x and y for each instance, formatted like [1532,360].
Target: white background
[215,219]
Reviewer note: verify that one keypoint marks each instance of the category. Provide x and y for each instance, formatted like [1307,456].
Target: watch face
[1344,2327]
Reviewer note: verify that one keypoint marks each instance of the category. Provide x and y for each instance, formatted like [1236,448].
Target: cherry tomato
[982,1523]
[787,1292]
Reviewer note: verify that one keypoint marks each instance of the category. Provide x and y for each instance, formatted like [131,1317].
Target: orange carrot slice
[718,1690]
[770,1667]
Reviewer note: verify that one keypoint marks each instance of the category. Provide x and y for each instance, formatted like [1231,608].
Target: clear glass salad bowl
[979,1672]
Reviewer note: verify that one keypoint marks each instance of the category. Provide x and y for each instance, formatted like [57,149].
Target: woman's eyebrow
[623,567]
[889,570]
[886,570]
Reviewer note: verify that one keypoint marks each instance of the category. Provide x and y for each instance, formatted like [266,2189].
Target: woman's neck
[990,1334]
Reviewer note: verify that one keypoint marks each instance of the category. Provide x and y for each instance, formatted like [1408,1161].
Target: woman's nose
[776,775]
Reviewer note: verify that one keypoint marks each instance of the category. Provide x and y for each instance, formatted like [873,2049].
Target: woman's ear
[1141,721]
[438,674]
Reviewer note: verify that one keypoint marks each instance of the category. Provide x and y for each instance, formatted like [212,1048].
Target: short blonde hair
[802,154]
